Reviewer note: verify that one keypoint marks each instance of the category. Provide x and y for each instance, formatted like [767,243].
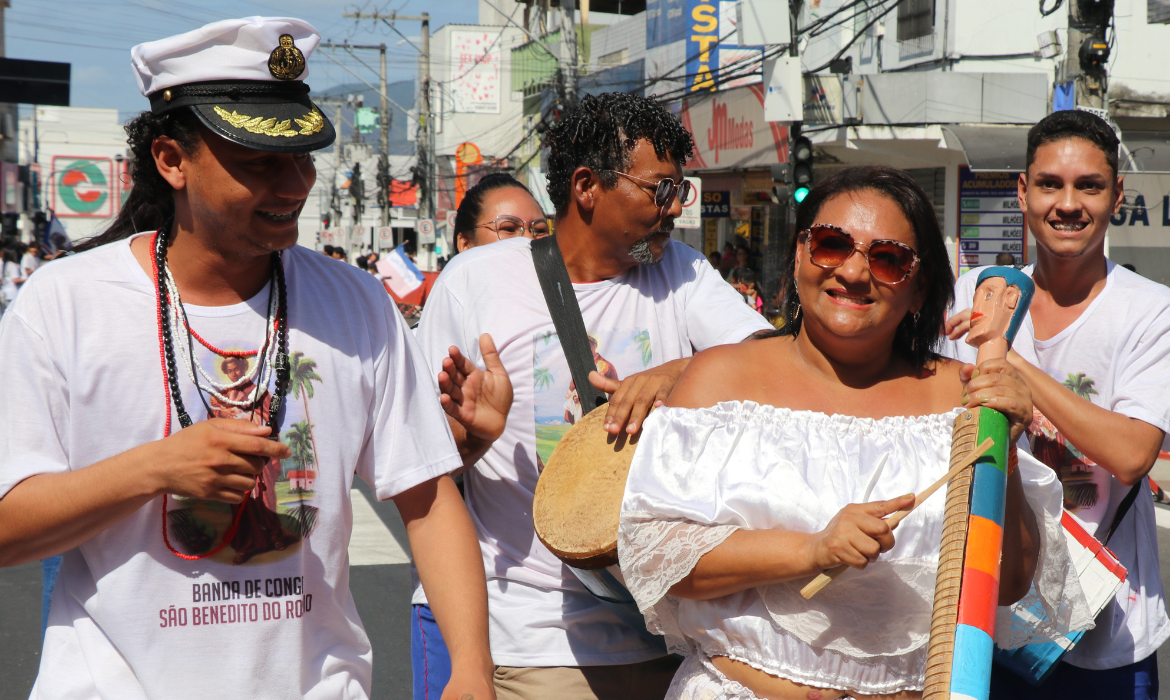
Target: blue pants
[1137,681]
[430,662]
[49,569]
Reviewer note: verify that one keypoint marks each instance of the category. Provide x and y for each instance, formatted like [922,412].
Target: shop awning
[990,147]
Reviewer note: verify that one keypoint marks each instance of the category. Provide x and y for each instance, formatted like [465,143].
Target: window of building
[915,19]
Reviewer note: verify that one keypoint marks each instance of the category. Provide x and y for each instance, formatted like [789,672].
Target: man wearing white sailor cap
[188,401]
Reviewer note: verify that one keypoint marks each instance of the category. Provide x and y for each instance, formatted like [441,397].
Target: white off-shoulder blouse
[700,474]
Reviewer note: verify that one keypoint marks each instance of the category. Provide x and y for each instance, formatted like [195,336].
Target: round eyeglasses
[508,226]
[889,261]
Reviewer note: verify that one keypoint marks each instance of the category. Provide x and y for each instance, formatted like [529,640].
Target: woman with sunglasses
[778,458]
[498,207]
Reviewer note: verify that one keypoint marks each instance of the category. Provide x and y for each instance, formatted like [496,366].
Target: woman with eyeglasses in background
[498,207]
[779,458]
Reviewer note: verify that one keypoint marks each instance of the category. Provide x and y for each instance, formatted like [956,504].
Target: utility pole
[426,133]
[569,49]
[1087,55]
[385,120]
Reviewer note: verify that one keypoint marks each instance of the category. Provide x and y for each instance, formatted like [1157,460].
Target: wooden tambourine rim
[556,484]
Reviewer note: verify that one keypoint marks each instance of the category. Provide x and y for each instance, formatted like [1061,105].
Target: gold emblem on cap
[286,62]
[310,123]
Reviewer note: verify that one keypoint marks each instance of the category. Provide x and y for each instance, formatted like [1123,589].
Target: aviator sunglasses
[665,189]
[829,247]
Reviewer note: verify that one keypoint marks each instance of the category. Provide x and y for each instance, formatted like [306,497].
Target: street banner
[399,273]
[475,71]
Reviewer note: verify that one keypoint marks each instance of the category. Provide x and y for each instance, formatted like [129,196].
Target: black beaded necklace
[280,363]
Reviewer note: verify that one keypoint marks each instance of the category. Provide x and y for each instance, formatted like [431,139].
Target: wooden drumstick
[827,577]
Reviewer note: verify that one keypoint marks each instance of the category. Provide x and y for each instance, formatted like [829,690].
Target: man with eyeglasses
[615,179]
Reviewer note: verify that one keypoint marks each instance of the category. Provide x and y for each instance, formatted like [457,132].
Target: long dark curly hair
[151,202]
[917,341]
[599,134]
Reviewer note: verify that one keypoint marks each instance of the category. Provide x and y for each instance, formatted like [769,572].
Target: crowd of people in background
[20,261]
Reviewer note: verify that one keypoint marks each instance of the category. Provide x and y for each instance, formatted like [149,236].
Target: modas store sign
[730,131]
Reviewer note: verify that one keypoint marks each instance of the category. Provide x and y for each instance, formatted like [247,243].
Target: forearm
[1021,544]
[446,552]
[471,449]
[48,514]
[1097,432]
[747,559]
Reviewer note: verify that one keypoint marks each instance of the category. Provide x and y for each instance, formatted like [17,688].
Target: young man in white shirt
[648,302]
[186,409]
[1095,352]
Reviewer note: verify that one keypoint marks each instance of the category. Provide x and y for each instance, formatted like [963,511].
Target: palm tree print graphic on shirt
[302,373]
[1075,471]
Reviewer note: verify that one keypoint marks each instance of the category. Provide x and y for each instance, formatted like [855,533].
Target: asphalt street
[382,594]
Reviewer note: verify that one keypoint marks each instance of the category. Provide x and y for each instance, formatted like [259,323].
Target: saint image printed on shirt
[1086,485]
[617,354]
[279,512]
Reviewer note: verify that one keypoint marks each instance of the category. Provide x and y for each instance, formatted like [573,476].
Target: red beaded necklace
[170,374]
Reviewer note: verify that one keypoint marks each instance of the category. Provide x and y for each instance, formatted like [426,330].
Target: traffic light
[800,158]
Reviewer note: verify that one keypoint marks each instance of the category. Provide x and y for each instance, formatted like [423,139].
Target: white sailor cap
[243,78]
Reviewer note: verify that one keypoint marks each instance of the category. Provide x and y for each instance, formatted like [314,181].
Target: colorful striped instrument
[966,596]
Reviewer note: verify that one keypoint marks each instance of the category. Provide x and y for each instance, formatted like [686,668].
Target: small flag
[399,273]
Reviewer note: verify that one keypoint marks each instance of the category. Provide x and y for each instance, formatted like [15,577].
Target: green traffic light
[800,194]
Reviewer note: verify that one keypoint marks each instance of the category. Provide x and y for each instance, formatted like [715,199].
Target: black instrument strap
[1122,509]
[566,318]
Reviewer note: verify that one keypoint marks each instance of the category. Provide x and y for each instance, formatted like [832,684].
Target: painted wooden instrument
[966,595]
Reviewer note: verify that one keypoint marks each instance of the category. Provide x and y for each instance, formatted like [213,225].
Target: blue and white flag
[399,272]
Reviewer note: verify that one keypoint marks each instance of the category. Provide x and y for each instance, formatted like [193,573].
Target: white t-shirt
[540,614]
[8,288]
[28,264]
[1117,355]
[271,615]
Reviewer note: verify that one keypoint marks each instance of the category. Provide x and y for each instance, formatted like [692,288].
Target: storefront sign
[730,131]
[691,212]
[81,186]
[990,221]
[716,204]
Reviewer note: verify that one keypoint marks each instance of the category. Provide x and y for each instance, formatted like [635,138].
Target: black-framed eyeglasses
[508,226]
[829,246]
[665,190]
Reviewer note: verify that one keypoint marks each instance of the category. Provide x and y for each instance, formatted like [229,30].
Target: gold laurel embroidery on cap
[310,123]
[286,62]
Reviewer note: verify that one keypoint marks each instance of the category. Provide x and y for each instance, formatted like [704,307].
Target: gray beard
[642,254]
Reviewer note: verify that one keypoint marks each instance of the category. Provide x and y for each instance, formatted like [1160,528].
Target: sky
[95,36]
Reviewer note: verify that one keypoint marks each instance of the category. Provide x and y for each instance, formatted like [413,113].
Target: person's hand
[632,398]
[857,535]
[479,399]
[996,384]
[957,326]
[469,687]
[217,459]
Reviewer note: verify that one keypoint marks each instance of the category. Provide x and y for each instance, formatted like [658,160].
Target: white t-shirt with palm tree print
[271,614]
[540,614]
[1117,355]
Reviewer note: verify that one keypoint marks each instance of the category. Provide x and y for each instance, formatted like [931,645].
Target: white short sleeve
[715,312]
[1142,383]
[34,406]
[410,441]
